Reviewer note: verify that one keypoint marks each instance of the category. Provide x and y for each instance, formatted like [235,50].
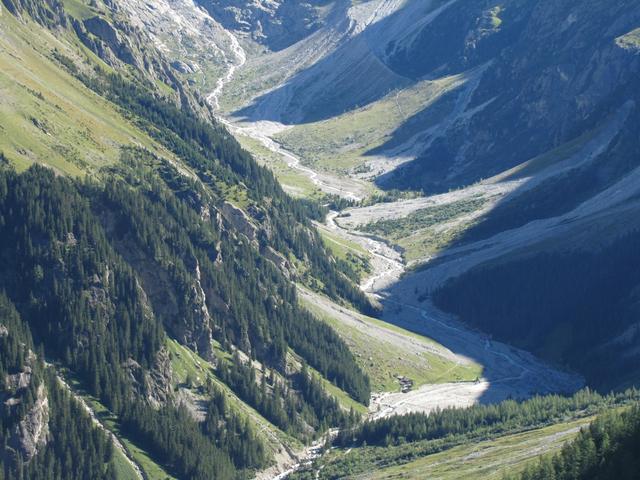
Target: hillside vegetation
[152,228]
[606,449]
[494,438]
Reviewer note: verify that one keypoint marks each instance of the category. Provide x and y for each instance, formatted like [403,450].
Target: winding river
[508,372]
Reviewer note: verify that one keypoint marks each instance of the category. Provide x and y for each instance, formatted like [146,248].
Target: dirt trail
[114,439]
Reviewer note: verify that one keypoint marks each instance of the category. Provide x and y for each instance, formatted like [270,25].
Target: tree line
[480,421]
[562,305]
[605,450]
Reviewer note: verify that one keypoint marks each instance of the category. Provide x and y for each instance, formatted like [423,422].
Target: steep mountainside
[527,101]
[515,101]
[168,311]
[530,109]
[276,24]
[154,265]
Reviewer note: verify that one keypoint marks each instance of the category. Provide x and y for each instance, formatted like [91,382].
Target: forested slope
[607,449]
[178,236]
[578,308]
[45,433]
[401,446]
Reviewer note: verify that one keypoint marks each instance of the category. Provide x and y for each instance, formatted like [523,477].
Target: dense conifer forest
[480,421]
[557,304]
[75,448]
[605,450]
[74,258]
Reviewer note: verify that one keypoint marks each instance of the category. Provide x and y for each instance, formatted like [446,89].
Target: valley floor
[490,459]
[476,368]
[473,367]
[507,372]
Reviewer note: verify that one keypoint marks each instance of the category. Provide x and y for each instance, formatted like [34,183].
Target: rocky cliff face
[113,34]
[183,311]
[29,435]
[553,72]
[119,42]
[49,13]
[533,76]
[239,221]
[155,385]
[274,23]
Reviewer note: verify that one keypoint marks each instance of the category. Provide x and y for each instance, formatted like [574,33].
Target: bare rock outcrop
[31,432]
[274,23]
[203,334]
[155,385]
[239,220]
[279,260]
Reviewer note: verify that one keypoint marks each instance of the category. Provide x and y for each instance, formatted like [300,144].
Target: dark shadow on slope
[570,307]
[385,57]
[557,195]
[529,101]
[439,168]
[572,301]
[336,84]
[423,131]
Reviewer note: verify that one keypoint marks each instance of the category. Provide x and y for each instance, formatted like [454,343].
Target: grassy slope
[123,468]
[343,249]
[294,363]
[379,353]
[47,115]
[341,143]
[489,459]
[79,9]
[630,40]
[187,364]
[110,421]
[294,182]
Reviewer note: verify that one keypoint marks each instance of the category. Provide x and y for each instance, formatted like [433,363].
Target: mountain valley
[321,239]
